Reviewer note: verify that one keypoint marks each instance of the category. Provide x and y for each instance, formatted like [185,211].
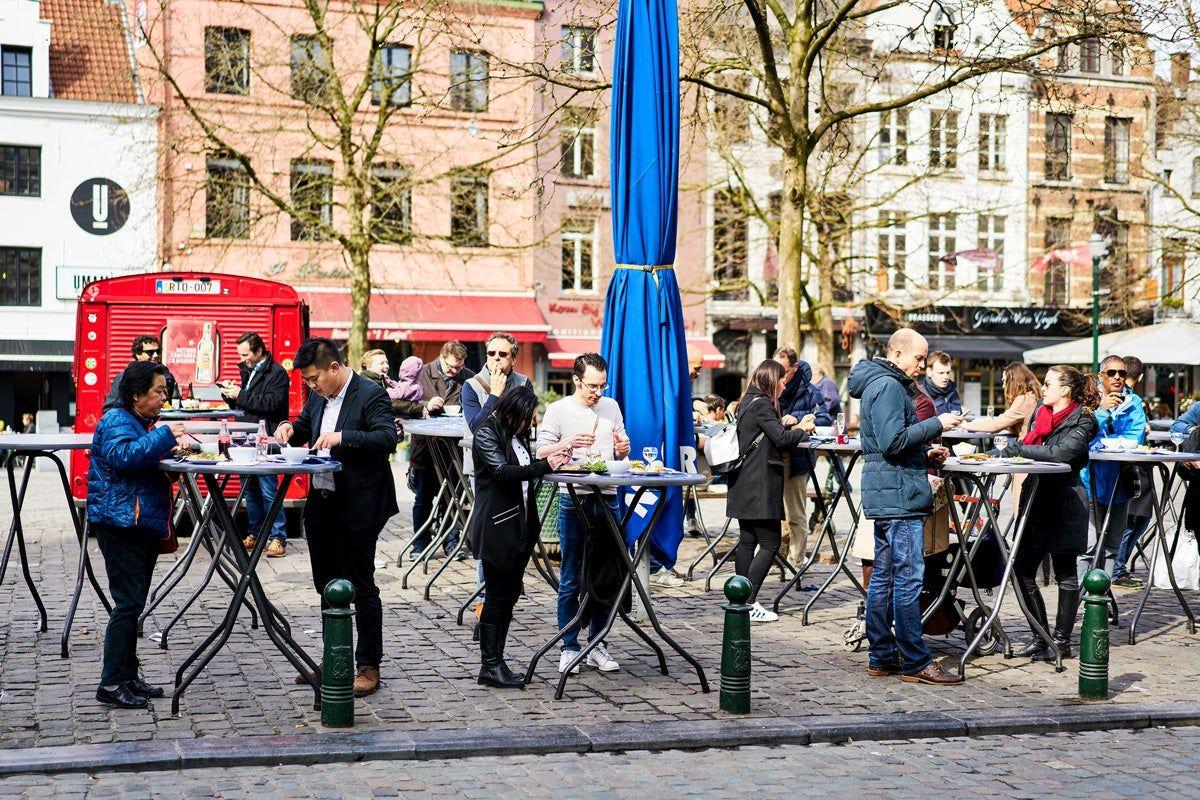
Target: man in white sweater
[589,423]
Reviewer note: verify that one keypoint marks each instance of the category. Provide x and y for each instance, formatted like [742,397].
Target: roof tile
[89,53]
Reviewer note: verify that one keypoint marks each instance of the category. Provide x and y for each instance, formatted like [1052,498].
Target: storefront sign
[100,206]
[1000,321]
[69,281]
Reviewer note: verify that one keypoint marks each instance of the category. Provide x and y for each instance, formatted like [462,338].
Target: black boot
[1037,649]
[1064,622]
[493,671]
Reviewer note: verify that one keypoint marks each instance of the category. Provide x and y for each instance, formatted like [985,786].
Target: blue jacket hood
[869,370]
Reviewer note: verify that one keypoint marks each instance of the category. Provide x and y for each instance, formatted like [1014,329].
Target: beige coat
[1014,420]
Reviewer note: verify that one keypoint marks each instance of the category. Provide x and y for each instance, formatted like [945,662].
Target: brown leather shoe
[276,549]
[885,671]
[366,681]
[300,679]
[935,675]
[249,543]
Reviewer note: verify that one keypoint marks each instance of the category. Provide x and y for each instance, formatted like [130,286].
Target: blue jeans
[260,494]
[894,594]
[1136,527]
[570,544]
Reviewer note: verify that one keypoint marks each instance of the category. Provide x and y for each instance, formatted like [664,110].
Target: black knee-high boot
[1064,622]
[1037,648]
[492,670]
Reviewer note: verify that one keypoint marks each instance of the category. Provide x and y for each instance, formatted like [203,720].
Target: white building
[77,186]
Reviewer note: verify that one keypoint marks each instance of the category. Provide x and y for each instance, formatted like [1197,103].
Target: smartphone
[967,414]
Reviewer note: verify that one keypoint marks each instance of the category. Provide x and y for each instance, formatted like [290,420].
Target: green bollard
[337,669]
[1093,638]
[735,647]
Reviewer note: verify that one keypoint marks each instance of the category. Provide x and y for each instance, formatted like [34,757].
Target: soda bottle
[261,441]
[224,439]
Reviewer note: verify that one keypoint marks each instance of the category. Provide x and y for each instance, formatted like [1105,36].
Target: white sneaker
[667,578]
[760,614]
[564,658]
[601,660]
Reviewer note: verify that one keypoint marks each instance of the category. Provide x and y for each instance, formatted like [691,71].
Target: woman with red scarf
[1061,430]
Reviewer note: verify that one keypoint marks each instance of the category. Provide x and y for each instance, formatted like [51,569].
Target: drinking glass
[1177,438]
[1000,441]
[649,455]
[840,423]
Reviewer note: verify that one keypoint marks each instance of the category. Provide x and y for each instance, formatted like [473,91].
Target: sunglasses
[1115,373]
[498,353]
[150,353]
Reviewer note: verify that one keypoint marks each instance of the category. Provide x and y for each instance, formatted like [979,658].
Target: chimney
[1181,71]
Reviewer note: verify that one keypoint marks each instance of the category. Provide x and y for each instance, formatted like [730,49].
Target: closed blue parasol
[643,338]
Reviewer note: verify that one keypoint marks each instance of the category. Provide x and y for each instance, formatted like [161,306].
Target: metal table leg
[16,533]
[1167,550]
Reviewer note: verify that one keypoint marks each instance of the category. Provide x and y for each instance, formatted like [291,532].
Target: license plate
[167,286]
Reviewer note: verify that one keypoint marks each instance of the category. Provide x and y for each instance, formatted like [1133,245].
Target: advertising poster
[192,351]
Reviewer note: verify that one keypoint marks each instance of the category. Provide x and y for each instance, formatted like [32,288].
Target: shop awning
[998,348]
[415,316]
[33,355]
[1175,341]
[564,350]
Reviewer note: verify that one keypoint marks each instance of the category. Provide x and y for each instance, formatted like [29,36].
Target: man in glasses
[145,347]
[483,391]
[1120,415]
[588,425]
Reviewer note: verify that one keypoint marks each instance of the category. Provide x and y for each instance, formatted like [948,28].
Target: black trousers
[503,591]
[129,557]
[1029,559]
[765,535]
[336,552]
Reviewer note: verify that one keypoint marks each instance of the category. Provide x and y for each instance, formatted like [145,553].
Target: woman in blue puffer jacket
[129,501]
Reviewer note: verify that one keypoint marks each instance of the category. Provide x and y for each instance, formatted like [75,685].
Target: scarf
[408,387]
[1045,423]
[933,390]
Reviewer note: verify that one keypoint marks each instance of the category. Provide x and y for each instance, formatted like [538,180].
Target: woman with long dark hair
[1022,391]
[1060,430]
[504,522]
[755,496]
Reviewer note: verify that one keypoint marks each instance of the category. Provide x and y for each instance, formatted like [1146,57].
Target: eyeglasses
[1115,373]
[597,388]
[151,353]
[499,353]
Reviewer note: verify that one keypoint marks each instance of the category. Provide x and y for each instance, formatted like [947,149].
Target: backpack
[723,451]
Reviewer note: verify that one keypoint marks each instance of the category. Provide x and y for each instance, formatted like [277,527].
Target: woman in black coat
[1061,430]
[504,522]
[755,497]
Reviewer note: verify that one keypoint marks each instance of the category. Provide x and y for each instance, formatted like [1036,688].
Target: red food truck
[198,318]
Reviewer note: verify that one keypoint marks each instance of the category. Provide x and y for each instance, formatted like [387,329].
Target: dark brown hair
[766,377]
[938,357]
[1082,387]
[1018,380]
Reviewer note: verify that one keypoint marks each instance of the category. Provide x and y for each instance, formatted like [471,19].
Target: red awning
[413,316]
[563,350]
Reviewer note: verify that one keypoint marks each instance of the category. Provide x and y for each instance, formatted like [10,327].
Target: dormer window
[943,29]
[16,69]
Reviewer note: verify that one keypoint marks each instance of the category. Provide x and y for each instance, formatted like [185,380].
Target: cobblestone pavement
[430,666]
[1159,762]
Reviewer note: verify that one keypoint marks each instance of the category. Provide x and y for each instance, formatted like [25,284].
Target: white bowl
[617,467]
[824,430]
[294,455]
[453,411]
[1115,443]
[964,449]
[243,455]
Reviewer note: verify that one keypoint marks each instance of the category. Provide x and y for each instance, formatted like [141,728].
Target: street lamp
[1098,247]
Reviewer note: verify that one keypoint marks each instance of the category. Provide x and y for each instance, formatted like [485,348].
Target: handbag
[723,450]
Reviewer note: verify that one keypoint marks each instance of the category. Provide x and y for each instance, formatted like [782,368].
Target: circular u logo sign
[100,206]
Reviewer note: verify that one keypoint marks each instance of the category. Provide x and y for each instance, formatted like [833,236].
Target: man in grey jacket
[896,494]
[482,392]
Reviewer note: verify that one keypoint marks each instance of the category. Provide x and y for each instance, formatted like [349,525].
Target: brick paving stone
[431,662]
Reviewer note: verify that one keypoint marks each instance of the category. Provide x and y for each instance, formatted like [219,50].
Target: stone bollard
[1093,638]
[735,647]
[337,669]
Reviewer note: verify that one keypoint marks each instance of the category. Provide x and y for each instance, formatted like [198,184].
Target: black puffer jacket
[1058,509]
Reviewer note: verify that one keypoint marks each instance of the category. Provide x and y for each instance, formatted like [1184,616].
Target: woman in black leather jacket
[504,522]
[1061,430]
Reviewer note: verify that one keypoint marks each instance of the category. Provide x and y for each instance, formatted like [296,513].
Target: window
[469,209]
[578,50]
[892,248]
[1064,58]
[991,237]
[730,237]
[312,200]
[1196,176]
[893,136]
[468,80]
[1116,232]
[226,198]
[16,74]
[20,276]
[943,139]
[993,141]
[1116,150]
[311,73]
[578,136]
[1089,55]
[1058,273]
[1174,260]
[20,170]
[226,60]
[943,30]
[1117,51]
[941,245]
[391,202]
[731,114]
[1058,147]
[393,75]
[578,255]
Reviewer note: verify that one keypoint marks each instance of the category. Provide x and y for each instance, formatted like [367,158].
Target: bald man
[695,362]
[896,495]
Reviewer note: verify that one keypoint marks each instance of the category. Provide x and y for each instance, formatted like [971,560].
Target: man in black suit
[263,395]
[351,418]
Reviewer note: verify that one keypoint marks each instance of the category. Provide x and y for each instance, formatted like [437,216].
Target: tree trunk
[360,304]
[791,253]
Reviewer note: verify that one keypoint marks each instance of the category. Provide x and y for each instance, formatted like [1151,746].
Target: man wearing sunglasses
[1120,415]
[482,392]
[145,347]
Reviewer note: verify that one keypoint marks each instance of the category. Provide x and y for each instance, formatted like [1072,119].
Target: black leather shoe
[143,689]
[1033,650]
[121,697]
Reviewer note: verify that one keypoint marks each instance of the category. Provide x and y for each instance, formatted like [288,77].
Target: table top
[1142,456]
[27,442]
[1161,424]
[213,428]
[629,479]
[997,466]
[172,416]
[444,427]
[961,434]
[829,446]
[1158,436]
[257,468]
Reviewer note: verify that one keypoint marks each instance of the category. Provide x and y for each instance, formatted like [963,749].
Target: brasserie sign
[998,321]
